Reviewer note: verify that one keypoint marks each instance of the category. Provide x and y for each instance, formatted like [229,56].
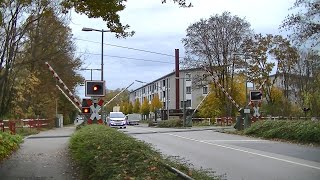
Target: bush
[105,153]
[299,131]
[170,123]
[8,143]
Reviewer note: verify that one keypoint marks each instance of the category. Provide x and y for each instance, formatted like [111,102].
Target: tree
[304,24]
[108,10]
[145,107]
[130,108]
[110,94]
[259,48]
[210,45]
[125,107]
[155,103]
[32,34]
[213,106]
[136,107]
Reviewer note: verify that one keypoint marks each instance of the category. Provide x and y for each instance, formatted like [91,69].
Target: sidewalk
[42,156]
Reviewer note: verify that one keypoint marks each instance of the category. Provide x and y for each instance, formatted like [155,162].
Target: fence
[202,119]
[12,125]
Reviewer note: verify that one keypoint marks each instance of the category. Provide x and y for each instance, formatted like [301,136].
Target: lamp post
[102,31]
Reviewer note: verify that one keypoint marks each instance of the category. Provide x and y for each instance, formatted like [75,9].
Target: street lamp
[102,31]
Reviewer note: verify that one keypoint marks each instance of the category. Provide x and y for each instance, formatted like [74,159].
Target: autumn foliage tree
[136,106]
[210,45]
[213,106]
[155,103]
[145,107]
[32,33]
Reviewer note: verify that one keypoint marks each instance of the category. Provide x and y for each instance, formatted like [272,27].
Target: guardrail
[12,125]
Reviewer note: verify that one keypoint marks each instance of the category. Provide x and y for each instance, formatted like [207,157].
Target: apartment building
[171,95]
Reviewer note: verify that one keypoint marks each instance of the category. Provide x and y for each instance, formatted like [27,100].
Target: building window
[188,90]
[205,90]
[187,103]
[188,77]
[143,90]
[164,83]
[164,94]
[164,105]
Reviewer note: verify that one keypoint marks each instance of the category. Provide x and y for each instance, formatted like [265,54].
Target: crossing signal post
[85,110]
[94,88]
[92,107]
[255,96]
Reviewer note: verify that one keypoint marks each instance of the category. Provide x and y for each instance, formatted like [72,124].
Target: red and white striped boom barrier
[75,100]
[225,92]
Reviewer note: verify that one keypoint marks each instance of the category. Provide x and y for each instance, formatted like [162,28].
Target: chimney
[177,79]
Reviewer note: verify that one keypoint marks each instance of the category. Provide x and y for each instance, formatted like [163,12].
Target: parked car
[117,119]
[133,119]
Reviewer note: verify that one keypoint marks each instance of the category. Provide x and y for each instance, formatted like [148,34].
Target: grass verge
[8,144]
[295,131]
[26,131]
[105,153]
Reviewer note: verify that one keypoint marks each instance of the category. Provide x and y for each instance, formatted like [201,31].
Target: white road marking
[241,150]
[231,140]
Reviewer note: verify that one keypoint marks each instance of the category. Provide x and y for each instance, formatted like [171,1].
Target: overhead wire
[122,57]
[125,47]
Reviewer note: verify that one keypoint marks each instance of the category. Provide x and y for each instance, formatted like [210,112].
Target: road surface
[235,157]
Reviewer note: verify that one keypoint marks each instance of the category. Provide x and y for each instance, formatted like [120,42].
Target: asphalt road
[235,157]
[43,156]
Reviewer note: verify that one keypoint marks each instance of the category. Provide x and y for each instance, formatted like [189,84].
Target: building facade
[166,88]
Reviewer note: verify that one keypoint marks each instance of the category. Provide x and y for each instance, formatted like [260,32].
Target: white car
[117,119]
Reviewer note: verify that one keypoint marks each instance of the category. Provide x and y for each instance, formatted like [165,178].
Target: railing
[202,119]
[12,125]
[225,121]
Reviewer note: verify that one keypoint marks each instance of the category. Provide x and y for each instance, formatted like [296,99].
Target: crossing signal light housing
[85,110]
[94,88]
[255,96]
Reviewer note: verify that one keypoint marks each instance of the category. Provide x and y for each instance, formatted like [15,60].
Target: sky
[159,28]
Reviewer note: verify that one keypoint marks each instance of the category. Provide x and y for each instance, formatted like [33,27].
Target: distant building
[166,89]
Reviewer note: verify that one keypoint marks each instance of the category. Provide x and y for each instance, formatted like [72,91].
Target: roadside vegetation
[170,123]
[295,131]
[27,131]
[8,144]
[105,153]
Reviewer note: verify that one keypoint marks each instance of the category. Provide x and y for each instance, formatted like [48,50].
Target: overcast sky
[160,28]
